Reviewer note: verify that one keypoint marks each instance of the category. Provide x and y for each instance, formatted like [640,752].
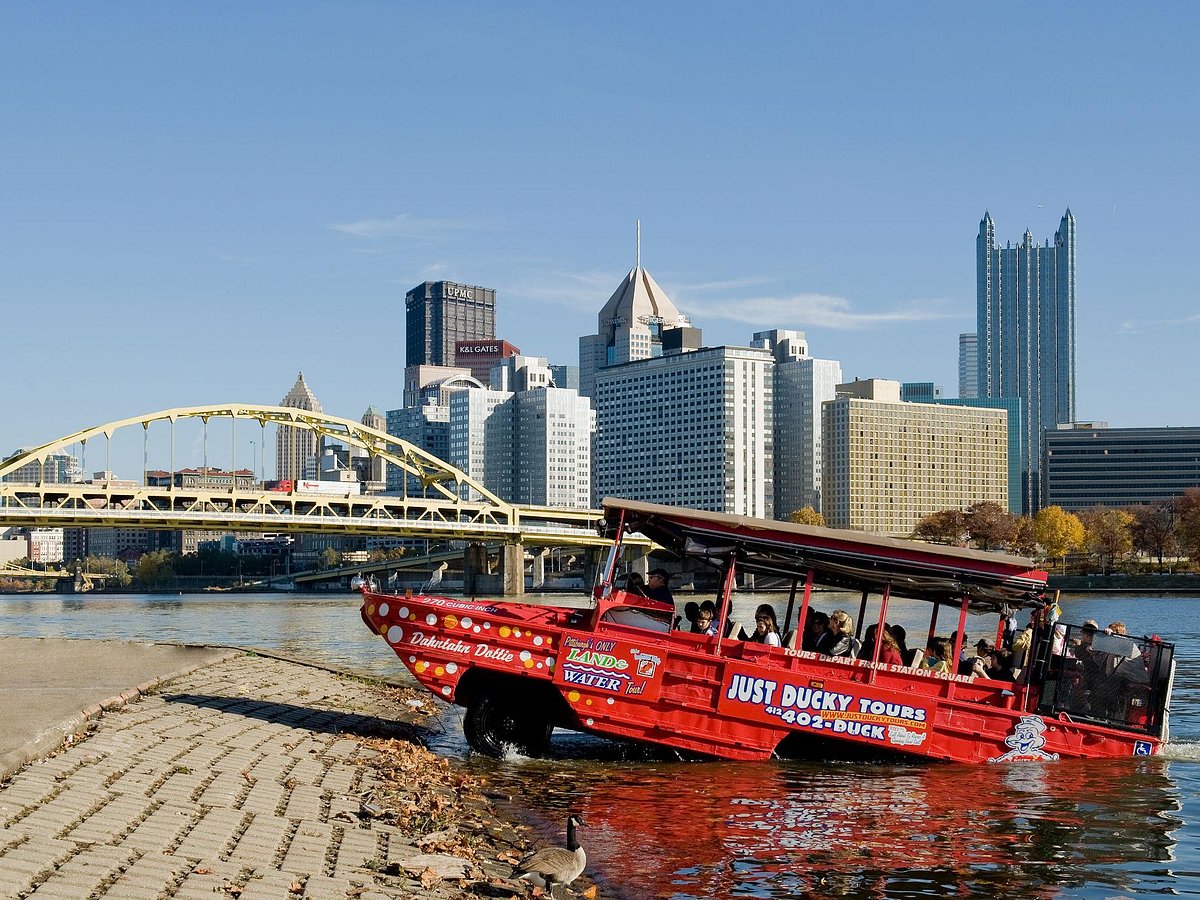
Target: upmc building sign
[480,356]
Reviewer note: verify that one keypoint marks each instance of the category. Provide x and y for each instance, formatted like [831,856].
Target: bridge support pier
[512,570]
[475,565]
[539,568]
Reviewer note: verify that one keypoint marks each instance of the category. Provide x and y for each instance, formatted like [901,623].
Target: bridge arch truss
[445,503]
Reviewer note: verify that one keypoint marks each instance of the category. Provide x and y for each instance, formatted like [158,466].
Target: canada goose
[554,865]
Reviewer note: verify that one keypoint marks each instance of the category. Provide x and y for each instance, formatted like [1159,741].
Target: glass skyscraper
[1026,334]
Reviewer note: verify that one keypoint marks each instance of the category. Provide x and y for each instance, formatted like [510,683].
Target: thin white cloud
[588,291]
[585,291]
[815,310]
[1129,326]
[731,284]
[402,225]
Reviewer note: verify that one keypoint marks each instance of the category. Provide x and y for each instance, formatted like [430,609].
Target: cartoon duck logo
[1026,742]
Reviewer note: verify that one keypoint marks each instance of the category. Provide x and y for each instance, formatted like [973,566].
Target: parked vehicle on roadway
[618,668]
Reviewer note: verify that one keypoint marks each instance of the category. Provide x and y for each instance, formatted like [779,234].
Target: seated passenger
[1084,637]
[1023,642]
[690,610]
[766,629]
[838,639]
[705,617]
[815,624]
[998,665]
[901,637]
[659,586]
[937,656]
[889,648]
[868,643]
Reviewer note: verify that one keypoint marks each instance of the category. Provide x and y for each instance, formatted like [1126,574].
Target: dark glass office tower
[439,313]
[1026,334]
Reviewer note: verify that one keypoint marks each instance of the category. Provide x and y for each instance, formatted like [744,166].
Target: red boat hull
[727,699]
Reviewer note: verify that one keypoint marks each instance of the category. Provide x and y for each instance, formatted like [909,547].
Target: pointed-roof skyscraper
[297,449]
[629,327]
[373,418]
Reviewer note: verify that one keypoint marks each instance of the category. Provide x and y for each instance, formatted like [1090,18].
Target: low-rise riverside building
[887,462]
[1090,464]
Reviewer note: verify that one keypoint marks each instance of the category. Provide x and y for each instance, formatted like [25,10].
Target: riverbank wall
[1127,584]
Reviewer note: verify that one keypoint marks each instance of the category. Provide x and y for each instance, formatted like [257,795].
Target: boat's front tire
[499,721]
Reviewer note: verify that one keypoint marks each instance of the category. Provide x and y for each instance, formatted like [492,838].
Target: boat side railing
[1109,679]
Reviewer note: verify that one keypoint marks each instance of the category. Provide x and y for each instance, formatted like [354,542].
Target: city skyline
[195,214]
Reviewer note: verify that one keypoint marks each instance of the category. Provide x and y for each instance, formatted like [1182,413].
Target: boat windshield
[638,617]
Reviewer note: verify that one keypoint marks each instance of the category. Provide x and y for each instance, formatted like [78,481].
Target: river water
[655,828]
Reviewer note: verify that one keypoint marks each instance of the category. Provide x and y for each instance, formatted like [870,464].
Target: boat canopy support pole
[725,601]
[933,622]
[862,613]
[614,554]
[883,605]
[961,636]
[802,622]
[791,605]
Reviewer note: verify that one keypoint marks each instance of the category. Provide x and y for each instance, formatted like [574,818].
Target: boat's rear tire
[501,720]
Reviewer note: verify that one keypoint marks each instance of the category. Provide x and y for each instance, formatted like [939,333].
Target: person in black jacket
[658,586]
[838,639]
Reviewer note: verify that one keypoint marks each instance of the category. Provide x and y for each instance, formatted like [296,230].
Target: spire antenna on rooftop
[639,243]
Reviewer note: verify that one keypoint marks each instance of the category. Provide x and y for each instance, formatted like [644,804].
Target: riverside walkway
[245,777]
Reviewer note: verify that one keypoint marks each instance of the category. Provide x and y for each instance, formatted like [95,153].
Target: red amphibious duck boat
[618,669]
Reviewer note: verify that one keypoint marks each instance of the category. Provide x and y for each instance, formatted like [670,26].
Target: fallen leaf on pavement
[429,878]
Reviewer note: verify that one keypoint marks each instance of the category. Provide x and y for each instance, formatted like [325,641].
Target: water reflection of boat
[618,669]
[790,829]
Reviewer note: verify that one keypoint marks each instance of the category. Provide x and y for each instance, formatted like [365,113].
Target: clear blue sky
[200,200]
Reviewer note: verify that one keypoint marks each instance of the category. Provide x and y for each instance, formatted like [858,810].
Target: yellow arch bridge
[438,502]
